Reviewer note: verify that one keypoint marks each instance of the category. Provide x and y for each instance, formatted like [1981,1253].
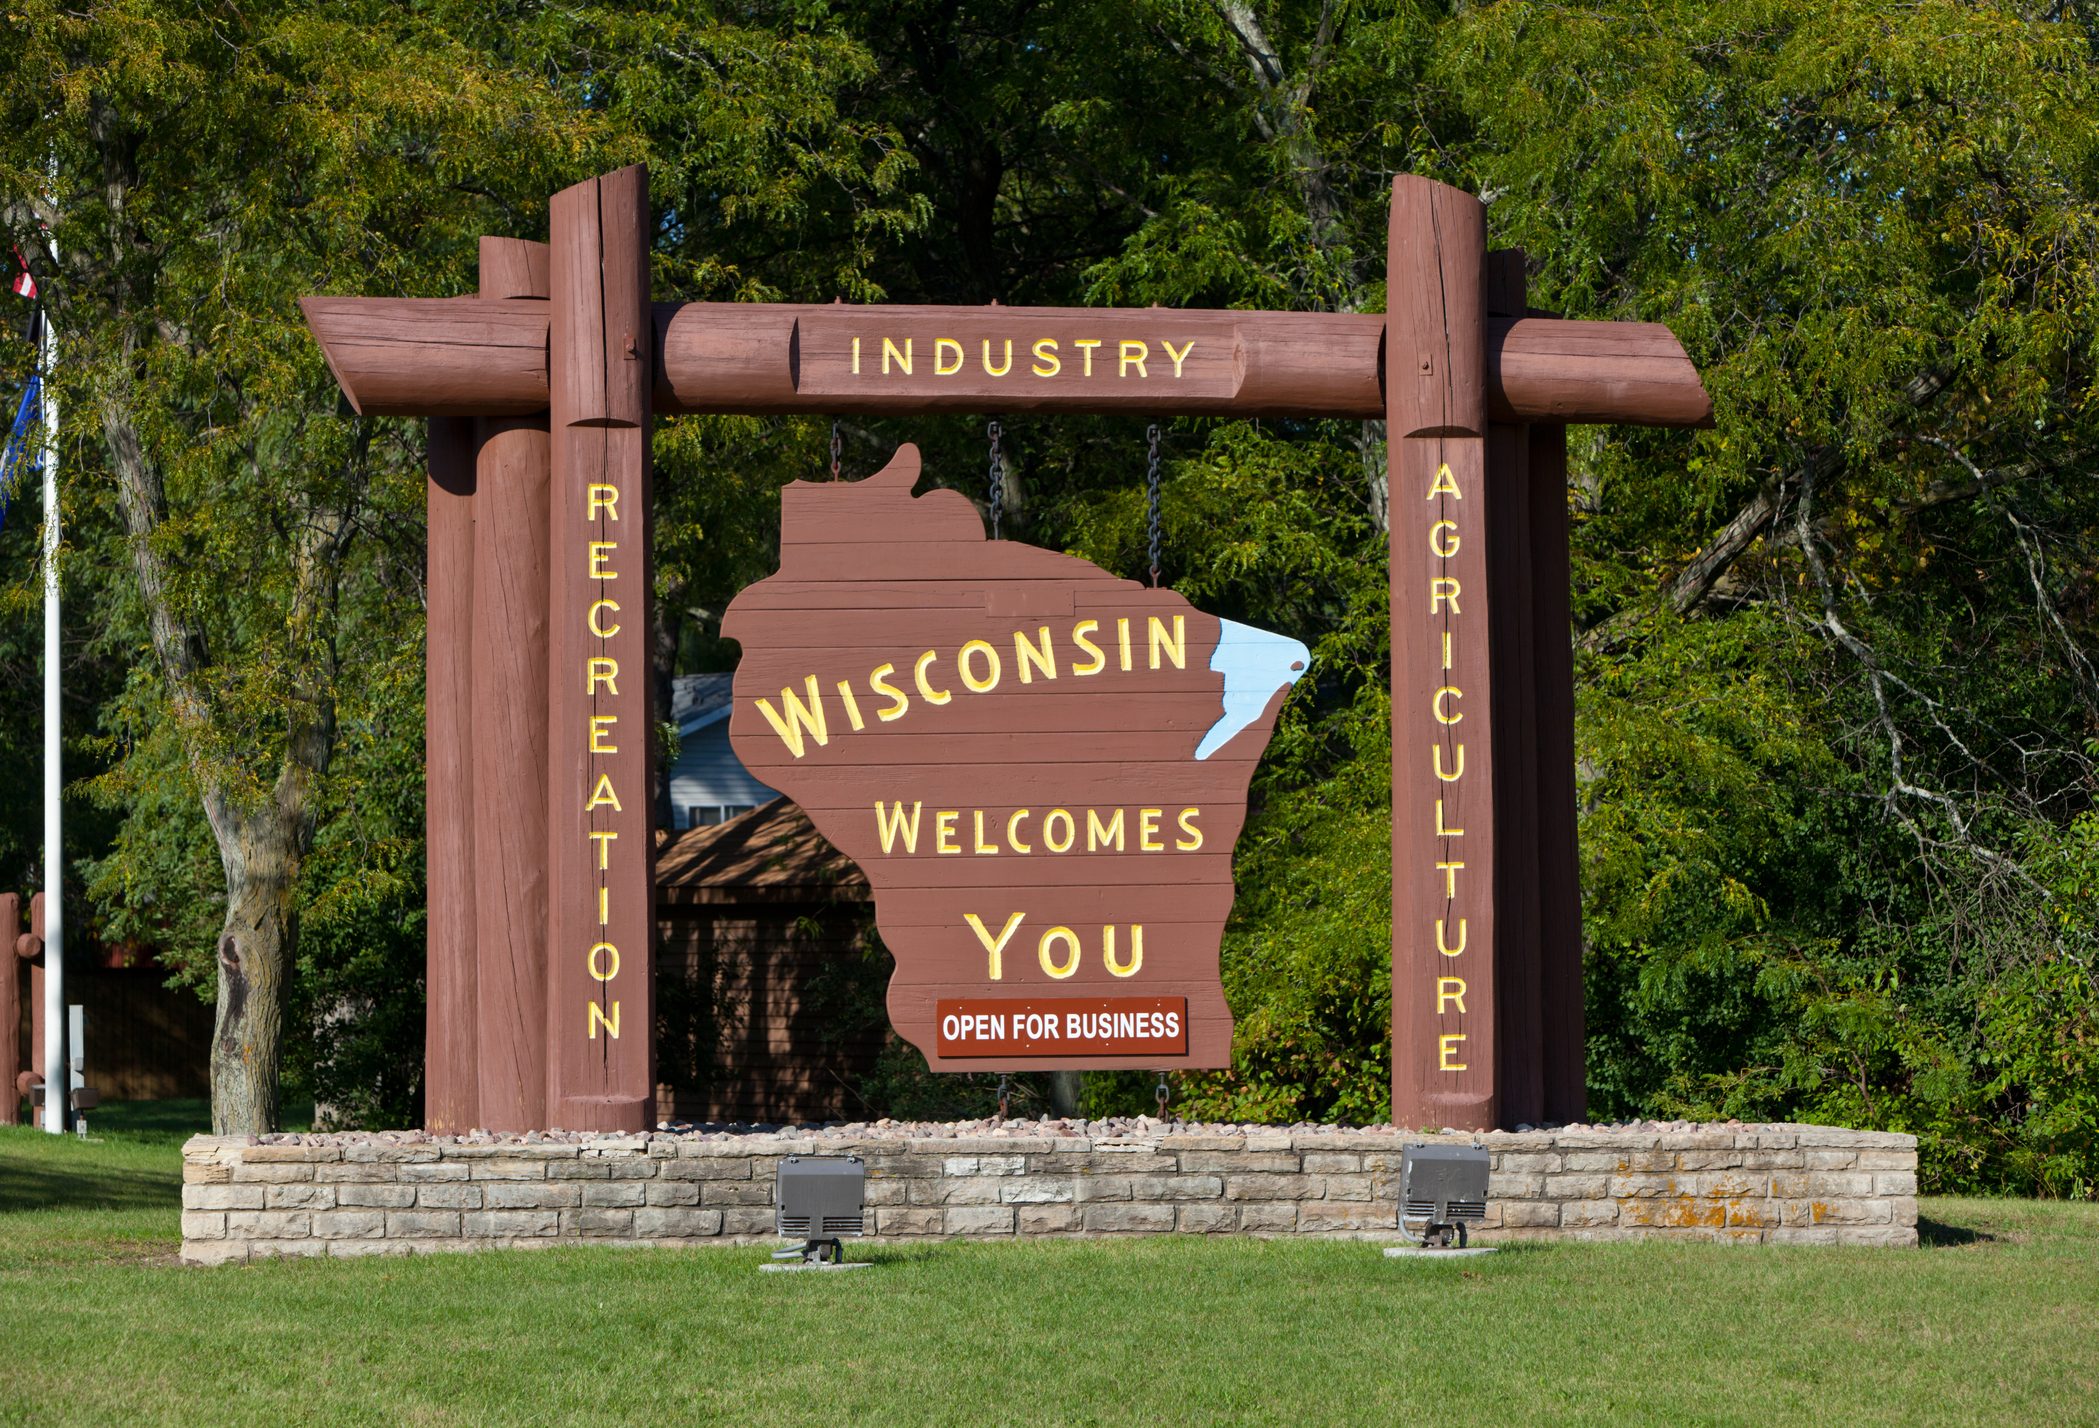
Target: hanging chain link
[997,477]
[1151,496]
[837,449]
[1005,1096]
[1162,1093]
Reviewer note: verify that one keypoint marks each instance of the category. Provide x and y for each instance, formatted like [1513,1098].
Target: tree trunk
[255,947]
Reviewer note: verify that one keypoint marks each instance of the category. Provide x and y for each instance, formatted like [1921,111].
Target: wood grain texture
[1565,1051]
[599,1018]
[1057,812]
[451,1089]
[1443,694]
[12,975]
[438,356]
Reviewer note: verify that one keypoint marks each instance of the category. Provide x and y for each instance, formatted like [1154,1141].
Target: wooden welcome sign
[1042,769]
[974,718]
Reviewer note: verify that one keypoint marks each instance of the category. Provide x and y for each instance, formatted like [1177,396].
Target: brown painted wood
[451,1090]
[509,674]
[599,1022]
[981,787]
[1559,885]
[1437,416]
[35,951]
[11,979]
[435,356]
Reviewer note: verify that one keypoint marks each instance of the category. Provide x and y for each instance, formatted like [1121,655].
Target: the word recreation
[604,738]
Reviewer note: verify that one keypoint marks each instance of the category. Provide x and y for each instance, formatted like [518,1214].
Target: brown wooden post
[1443,764]
[1559,886]
[35,950]
[600,1023]
[10,1007]
[451,1094]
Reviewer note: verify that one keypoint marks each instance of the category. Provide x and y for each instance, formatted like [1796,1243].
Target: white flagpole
[57,1083]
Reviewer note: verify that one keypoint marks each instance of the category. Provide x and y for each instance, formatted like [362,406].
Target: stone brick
[349,1224]
[980,1220]
[1330,1162]
[204,1224]
[677,1222]
[1527,1163]
[1887,1160]
[507,1168]
[379,1197]
[984,1165]
[378,1249]
[292,1173]
[1268,1217]
[1645,1187]
[618,1195]
[1196,1162]
[589,1221]
[355,1172]
[1582,1214]
[1119,1162]
[1577,1187]
[1048,1219]
[376,1154]
[1678,1213]
[298,1197]
[1757,1214]
[1851,1212]
[511,1223]
[701,1170]
[1801,1235]
[613,1145]
[214,1252]
[286,1249]
[1180,1187]
[1903,1210]
[1895,1182]
[531,1195]
[1333,1216]
[448,1197]
[902,1220]
[579,1170]
[1104,1187]
[1109,1217]
[421,1224]
[1525,1215]
[222,1197]
[1879,1236]
[1730,1159]
[1822,1185]
[1829,1159]
[672,1192]
[746,1219]
[1270,1187]
[1728,1184]
[1594,1162]
[222,1174]
[432,1173]
[1206,1219]
[254,1225]
[956,1190]
[290,1154]
[901,1163]
[1038,1190]
[1521,1186]
[1347,1187]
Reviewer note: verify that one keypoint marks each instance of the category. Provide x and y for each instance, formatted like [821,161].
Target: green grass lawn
[1996,1320]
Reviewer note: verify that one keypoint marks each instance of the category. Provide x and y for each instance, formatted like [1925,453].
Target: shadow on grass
[1937,1234]
[27,1184]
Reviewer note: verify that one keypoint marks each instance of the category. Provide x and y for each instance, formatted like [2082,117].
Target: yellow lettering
[1049,356]
[998,371]
[799,716]
[996,947]
[1444,946]
[1192,836]
[602,796]
[604,838]
[1098,833]
[604,905]
[1178,357]
[1436,752]
[1450,989]
[1176,648]
[600,552]
[852,705]
[1132,354]
[1049,836]
[1013,836]
[903,358]
[1450,878]
[600,731]
[594,962]
[856,356]
[1056,971]
[1448,691]
[1447,1047]
[1441,546]
[879,683]
[981,846]
[975,684]
[1122,639]
[1441,831]
[1078,637]
[926,691]
[1086,346]
[600,670]
[889,826]
[1026,653]
[1446,484]
[1123,969]
[610,1023]
[1441,588]
[1446,649]
[598,497]
[944,832]
[1148,830]
[942,367]
[590,619]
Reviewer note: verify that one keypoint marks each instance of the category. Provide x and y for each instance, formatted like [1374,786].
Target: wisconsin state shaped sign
[1042,769]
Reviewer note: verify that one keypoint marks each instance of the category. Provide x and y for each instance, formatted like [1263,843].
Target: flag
[28,417]
[24,285]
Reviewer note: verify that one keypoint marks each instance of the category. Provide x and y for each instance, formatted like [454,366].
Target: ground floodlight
[1441,1187]
[819,1200]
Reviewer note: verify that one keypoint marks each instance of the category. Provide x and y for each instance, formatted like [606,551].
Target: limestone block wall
[407,1193]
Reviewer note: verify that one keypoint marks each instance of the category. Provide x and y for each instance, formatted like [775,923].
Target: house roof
[771,854]
[699,699]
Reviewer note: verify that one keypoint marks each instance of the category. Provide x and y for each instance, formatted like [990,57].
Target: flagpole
[57,1083]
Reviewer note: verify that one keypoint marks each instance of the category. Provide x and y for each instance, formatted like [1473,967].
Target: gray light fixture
[820,1200]
[1441,1188]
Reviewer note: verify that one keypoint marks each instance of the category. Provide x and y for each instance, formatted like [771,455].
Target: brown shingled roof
[771,854]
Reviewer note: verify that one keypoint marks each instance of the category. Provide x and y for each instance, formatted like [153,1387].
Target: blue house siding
[709,778]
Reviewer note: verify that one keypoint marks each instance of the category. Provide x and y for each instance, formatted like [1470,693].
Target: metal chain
[997,476]
[1005,1096]
[1162,1093]
[837,449]
[1151,495]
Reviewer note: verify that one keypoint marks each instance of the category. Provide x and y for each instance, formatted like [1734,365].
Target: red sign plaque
[1042,769]
[973,1028]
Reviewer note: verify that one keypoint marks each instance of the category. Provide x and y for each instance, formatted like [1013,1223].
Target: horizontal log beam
[471,356]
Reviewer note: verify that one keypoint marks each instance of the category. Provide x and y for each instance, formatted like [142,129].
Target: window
[706,815]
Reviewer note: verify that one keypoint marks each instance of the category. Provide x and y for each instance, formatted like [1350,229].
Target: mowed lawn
[1996,1320]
